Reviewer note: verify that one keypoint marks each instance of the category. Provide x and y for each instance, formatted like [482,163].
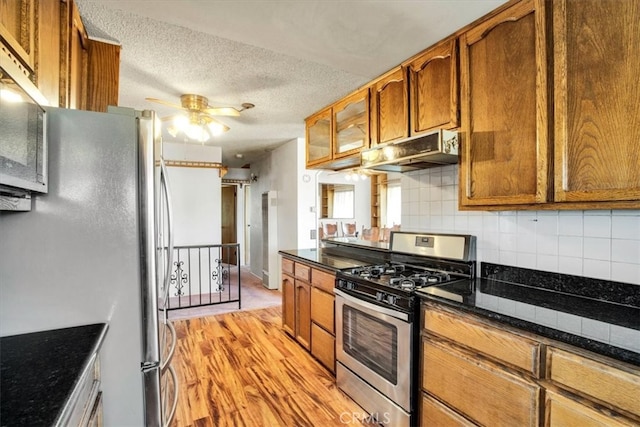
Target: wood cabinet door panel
[302,271]
[597,100]
[319,130]
[287,266]
[322,309]
[78,61]
[594,379]
[103,75]
[504,109]
[480,391]
[435,414]
[288,304]
[49,22]
[322,280]
[390,108]
[323,347]
[303,313]
[501,345]
[17,29]
[351,124]
[561,411]
[434,88]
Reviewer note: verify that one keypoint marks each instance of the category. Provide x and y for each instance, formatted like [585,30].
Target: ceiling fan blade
[222,111]
[160,101]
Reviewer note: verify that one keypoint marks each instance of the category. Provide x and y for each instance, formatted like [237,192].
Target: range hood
[425,151]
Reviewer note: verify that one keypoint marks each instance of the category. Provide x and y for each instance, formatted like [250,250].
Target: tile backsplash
[602,244]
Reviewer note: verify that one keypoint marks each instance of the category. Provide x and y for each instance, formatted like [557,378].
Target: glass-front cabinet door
[319,134]
[351,129]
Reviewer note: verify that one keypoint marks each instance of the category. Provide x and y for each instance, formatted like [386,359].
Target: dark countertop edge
[291,254]
[64,414]
[356,245]
[594,346]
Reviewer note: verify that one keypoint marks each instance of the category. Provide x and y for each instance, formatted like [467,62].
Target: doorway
[229,222]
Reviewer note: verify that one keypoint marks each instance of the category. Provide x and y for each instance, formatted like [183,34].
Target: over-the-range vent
[434,149]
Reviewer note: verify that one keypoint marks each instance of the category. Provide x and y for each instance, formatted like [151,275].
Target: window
[394,203]
[337,201]
[343,202]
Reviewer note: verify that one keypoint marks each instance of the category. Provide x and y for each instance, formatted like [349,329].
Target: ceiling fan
[197,122]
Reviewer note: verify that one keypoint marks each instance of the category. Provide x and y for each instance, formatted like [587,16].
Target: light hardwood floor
[241,369]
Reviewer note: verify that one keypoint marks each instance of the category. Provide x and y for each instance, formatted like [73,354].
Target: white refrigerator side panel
[74,259]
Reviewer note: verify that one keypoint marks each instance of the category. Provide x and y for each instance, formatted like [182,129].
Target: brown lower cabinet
[469,377]
[308,313]
[481,391]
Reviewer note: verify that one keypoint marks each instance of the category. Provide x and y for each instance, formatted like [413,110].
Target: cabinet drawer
[322,309]
[287,266]
[587,377]
[83,397]
[503,346]
[561,411]
[302,272]
[434,413]
[481,391]
[322,280]
[323,347]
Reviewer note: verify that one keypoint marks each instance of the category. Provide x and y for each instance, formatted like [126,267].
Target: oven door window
[372,342]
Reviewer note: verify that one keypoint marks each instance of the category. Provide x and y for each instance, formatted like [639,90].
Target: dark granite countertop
[39,371]
[323,258]
[597,325]
[596,315]
[357,243]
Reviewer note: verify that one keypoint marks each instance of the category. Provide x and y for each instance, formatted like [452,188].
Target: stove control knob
[391,299]
[379,296]
[351,286]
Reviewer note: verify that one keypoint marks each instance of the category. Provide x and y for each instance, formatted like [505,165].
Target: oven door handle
[357,301]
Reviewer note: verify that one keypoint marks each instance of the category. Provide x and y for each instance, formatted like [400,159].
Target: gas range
[376,307]
[417,261]
[400,276]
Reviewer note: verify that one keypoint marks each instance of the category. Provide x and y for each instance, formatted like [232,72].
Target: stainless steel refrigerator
[97,248]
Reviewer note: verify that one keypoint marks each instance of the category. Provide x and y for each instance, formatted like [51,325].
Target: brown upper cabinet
[17,30]
[319,137]
[351,124]
[503,71]
[336,134]
[551,126]
[417,97]
[389,107]
[596,58]
[434,88]
[47,38]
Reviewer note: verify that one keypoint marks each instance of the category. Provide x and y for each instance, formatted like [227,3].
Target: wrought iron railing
[204,275]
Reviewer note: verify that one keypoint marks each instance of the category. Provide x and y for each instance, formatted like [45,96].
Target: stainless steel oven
[376,317]
[373,349]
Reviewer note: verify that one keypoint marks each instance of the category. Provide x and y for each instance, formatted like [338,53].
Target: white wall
[603,244]
[276,171]
[196,195]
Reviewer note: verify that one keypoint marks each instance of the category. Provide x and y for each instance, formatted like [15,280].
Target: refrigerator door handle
[174,405]
[167,195]
[172,349]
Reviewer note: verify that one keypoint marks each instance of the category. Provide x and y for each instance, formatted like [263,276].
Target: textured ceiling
[288,57]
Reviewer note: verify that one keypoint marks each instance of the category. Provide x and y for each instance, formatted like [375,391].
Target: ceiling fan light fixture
[197,132]
[216,128]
